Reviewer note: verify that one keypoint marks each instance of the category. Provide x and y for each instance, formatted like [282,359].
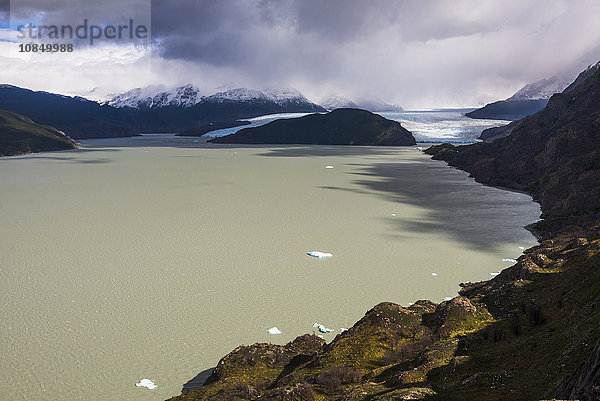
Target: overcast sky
[415,53]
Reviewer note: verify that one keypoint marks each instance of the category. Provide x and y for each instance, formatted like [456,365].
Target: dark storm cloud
[402,49]
[416,52]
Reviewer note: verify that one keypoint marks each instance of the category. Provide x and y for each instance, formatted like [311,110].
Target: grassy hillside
[339,127]
[19,135]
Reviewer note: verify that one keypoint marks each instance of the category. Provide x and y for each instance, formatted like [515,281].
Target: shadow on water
[197,381]
[481,217]
[66,157]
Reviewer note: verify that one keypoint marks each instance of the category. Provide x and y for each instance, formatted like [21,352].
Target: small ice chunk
[521,247]
[274,330]
[319,254]
[149,384]
[509,260]
[419,148]
[322,328]
[328,166]
[342,329]
[494,274]
[393,214]
[434,274]
[320,336]
[447,298]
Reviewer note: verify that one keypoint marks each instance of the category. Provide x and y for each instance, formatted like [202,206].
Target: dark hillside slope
[20,135]
[339,127]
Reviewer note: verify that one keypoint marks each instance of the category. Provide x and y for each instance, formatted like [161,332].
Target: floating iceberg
[521,247]
[509,260]
[434,274]
[322,328]
[328,166]
[419,148]
[149,384]
[319,254]
[342,329]
[274,330]
[447,299]
[494,274]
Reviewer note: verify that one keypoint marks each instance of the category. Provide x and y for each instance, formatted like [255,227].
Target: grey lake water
[154,256]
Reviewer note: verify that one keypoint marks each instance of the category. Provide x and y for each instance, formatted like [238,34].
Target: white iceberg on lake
[434,274]
[342,329]
[494,274]
[509,260]
[319,254]
[328,166]
[274,330]
[322,328]
[447,299]
[149,384]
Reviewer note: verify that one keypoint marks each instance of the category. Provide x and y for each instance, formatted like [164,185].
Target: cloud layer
[413,52]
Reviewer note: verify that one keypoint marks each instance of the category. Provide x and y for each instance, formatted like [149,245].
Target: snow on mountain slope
[542,89]
[183,96]
[188,95]
[337,102]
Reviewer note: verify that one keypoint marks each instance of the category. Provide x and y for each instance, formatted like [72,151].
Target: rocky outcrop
[339,127]
[584,383]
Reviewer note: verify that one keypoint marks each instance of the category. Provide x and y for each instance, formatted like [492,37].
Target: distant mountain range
[76,116]
[143,111]
[374,105]
[531,98]
[188,96]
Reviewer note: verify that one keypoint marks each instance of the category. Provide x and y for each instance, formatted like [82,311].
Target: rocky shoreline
[532,332]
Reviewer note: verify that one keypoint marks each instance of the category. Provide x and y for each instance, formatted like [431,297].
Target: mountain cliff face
[530,333]
[526,101]
[20,135]
[339,127]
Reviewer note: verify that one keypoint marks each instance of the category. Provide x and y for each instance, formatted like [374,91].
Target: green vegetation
[339,127]
[20,135]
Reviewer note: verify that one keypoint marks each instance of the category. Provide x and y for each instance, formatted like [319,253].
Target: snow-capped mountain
[371,104]
[542,89]
[526,101]
[183,96]
[189,95]
[337,102]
